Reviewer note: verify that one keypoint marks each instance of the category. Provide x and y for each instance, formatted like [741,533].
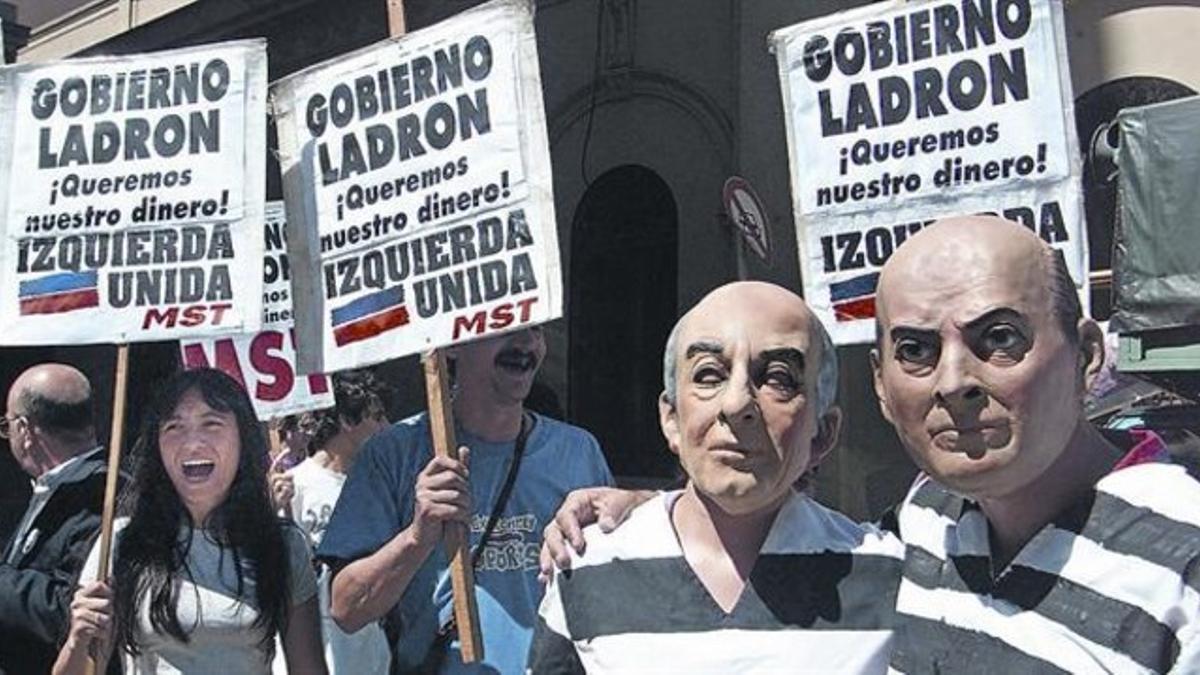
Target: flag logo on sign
[59,293]
[854,298]
[369,316]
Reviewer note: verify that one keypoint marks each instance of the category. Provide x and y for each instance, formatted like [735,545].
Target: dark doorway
[624,245]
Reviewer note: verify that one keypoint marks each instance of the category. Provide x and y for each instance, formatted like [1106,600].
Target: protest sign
[903,112]
[264,362]
[418,188]
[132,196]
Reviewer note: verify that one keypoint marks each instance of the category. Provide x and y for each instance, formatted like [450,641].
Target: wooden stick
[116,439]
[396,26]
[462,575]
[441,425]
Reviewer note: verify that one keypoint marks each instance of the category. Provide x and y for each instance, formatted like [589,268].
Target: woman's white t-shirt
[219,625]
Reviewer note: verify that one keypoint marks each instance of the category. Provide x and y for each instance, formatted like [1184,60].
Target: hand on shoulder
[605,506]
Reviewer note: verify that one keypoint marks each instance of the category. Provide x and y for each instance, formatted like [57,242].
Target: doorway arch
[623,294]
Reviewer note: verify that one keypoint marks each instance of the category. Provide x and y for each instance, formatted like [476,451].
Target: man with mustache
[739,571]
[384,538]
[1034,542]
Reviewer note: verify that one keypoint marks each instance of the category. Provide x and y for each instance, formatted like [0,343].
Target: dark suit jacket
[36,591]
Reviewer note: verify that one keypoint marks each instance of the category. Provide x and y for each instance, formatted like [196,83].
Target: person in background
[384,540]
[48,423]
[336,434]
[204,575]
[289,448]
[294,438]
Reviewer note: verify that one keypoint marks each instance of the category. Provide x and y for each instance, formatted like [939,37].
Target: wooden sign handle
[116,439]
[441,425]
[462,576]
[396,26]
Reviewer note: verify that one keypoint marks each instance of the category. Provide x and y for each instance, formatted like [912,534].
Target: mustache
[514,356]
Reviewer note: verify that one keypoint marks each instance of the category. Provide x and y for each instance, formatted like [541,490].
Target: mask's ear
[1091,351]
[829,427]
[668,420]
[877,379]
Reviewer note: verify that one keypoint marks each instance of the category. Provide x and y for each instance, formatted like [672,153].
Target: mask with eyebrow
[827,373]
[749,382]
[983,359]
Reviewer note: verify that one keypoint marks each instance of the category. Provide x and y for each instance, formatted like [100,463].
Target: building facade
[651,105]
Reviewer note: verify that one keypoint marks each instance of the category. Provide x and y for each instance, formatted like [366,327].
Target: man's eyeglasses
[6,423]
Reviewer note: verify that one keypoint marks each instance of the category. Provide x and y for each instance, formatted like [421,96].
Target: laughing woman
[204,574]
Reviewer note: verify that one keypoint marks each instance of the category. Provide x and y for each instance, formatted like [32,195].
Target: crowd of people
[1030,540]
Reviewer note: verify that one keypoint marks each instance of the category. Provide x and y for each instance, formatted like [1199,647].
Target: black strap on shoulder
[506,489]
[446,632]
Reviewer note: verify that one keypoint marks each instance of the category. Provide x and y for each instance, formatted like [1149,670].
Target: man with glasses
[48,423]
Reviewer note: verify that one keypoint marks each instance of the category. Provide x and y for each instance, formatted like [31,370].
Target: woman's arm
[91,631]
[302,645]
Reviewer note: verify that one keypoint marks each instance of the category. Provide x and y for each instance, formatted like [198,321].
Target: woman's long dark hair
[150,559]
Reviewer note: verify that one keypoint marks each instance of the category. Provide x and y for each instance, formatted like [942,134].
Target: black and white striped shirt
[1112,585]
[820,598]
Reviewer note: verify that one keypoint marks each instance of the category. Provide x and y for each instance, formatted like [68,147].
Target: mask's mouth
[198,470]
[517,361]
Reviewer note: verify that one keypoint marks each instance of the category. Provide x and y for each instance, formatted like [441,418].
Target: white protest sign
[418,187]
[264,362]
[131,193]
[899,113]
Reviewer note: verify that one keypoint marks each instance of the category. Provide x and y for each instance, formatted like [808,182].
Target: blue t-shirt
[377,503]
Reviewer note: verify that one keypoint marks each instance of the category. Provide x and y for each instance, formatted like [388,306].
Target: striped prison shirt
[1110,586]
[820,598]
